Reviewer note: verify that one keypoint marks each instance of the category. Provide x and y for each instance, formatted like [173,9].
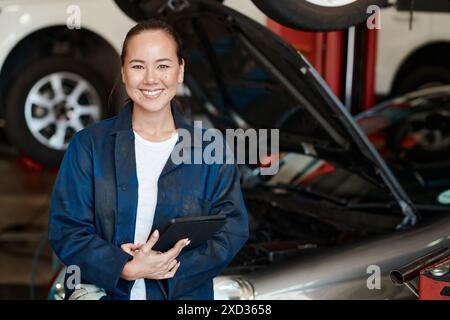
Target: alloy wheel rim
[59,105]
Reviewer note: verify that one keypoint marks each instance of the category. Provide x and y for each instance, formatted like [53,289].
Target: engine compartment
[285,225]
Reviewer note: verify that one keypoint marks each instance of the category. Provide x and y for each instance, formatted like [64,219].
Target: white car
[412,59]
[55,77]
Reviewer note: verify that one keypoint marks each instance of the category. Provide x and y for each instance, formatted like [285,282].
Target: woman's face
[151,71]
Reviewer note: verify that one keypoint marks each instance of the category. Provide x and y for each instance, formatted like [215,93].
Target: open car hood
[248,77]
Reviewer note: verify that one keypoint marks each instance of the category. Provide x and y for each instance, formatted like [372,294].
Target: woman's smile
[152,94]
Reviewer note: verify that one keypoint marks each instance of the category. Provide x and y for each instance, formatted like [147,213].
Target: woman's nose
[150,76]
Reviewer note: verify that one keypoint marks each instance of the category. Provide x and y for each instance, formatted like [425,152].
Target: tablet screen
[197,229]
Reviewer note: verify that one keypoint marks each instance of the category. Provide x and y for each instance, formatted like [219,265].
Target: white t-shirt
[151,158]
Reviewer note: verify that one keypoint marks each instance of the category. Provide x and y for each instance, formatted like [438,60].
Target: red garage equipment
[337,56]
[433,272]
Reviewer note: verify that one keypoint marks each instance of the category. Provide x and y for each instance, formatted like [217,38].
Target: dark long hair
[152,24]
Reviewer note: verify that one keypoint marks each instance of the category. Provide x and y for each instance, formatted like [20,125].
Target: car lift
[346,60]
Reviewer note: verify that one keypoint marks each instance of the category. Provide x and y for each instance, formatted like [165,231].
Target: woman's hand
[150,264]
[131,248]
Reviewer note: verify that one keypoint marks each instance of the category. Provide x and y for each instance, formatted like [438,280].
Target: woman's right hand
[131,248]
[150,264]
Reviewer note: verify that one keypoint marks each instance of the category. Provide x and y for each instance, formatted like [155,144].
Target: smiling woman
[152,69]
[117,186]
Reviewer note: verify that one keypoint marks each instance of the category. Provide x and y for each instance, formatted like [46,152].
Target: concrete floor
[24,200]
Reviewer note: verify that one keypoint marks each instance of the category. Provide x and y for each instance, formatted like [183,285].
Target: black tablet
[197,229]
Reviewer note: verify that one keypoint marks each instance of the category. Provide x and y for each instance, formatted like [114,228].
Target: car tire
[422,77]
[39,79]
[314,16]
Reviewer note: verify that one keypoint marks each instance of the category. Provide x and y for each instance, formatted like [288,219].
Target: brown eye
[137,67]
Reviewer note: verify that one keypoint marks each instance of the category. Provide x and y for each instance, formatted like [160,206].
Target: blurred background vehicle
[55,76]
[413,47]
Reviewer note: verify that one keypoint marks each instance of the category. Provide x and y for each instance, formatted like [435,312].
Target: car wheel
[422,77]
[48,102]
[318,15]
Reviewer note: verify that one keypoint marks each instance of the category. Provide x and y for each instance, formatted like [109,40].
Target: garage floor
[24,200]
